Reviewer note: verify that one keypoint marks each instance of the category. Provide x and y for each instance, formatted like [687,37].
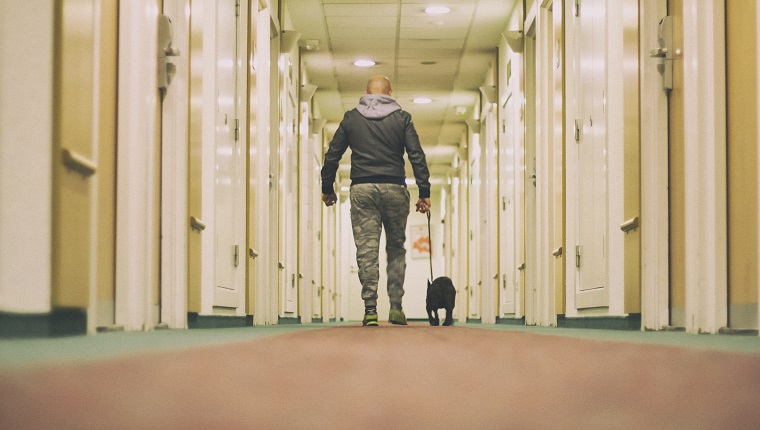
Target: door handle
[665,52]
[74,161]
[658,53]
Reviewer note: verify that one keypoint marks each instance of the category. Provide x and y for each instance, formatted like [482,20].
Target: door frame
[136,166]
[544,274]
[174,174]
[705,161]
[529,167]
[655,267]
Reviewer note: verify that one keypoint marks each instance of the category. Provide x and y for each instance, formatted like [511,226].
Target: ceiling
[440,57]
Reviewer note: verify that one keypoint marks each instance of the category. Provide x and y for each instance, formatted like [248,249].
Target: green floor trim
[17,353]
[195,320]
[474,320]
[630,322]
[59,322]
[317,321]
[719,342]
[28,352]
[288,320]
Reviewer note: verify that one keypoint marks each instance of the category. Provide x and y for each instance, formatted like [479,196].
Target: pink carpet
[392,377]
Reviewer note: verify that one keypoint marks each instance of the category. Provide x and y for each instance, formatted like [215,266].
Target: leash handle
[430,244]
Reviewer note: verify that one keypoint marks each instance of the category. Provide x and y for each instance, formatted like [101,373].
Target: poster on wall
[420,241]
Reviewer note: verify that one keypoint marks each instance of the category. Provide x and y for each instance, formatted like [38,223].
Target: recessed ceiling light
[364,63]
[422,100]
[437,10]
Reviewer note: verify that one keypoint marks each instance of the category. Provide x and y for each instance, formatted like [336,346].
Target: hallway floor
[344,376]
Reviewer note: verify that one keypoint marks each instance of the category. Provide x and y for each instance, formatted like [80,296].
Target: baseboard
[288,320]
[194,320]
[740,332]
[510,321]
[58,322]
[630,322]
[474,320]
[317,321]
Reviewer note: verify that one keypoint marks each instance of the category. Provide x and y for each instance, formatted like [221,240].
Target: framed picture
[420,241]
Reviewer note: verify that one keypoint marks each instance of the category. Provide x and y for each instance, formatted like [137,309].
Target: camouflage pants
[374,206]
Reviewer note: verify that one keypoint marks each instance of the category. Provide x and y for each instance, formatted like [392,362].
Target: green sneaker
[397,317]
[370,319]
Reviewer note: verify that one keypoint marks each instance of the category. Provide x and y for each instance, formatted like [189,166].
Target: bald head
[379,85]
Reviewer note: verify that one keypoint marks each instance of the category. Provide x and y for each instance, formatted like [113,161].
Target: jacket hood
[377,106]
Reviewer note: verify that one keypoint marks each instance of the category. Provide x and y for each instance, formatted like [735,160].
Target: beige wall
[107,153]
[72,131]
[742,77]
[632,164]
[194,199]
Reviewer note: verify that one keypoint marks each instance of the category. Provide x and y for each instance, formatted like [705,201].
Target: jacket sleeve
[334,153]
[417,159]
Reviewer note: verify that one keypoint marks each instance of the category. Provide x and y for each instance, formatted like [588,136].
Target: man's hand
[329,199]
[423,205]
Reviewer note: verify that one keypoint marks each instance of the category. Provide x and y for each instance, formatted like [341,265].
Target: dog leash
[430,244]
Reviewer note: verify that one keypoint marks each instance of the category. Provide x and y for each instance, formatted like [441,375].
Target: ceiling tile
[431,44]
[361,10]
[363,32]
[350,21]
[363,43]
[434,33]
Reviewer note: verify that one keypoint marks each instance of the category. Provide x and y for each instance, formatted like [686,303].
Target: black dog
[441,294]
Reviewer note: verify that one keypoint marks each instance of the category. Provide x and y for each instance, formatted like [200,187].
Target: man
[378,132]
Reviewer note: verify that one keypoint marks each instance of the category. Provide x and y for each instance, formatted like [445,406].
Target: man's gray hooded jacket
[378,132]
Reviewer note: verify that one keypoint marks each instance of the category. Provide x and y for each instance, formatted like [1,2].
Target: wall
[26,89]
[742,111]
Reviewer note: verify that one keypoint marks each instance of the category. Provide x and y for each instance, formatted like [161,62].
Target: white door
[489,232]
[229,186]
[507,261]
[591,252]
[474,275]
[289,206]
[529,178]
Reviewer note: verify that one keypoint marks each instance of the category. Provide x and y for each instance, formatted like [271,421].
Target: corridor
[166,259]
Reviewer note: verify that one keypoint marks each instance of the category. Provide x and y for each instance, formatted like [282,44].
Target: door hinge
[237,129]
[237,7]
[235,253]
[577,256]
[578,125]
[577,8]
